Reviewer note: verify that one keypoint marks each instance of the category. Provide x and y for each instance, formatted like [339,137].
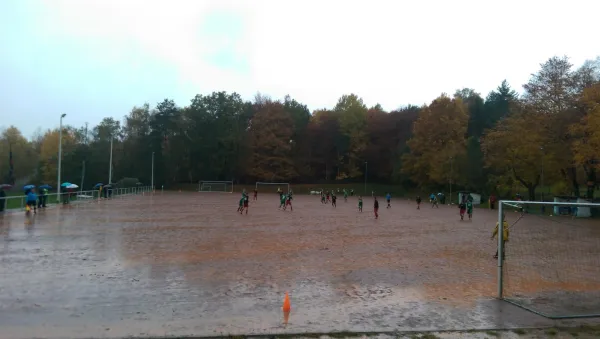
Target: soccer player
[360,203]
[327,197]
[333,199]
[345,195]
[241,204]
[376,207]
[418,202]
[434,202]
[463,207]
[282,199]
[255,194]
[352,192]
[388,197]
[470,209]
[505,234]
[288,201]
[246,203]
[323,197]
[431,198]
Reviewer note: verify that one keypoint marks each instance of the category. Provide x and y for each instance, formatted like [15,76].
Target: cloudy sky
[92,59]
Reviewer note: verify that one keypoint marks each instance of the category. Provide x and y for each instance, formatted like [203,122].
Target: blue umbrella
[65,184]
[98,185]
[46,187]
[28,187]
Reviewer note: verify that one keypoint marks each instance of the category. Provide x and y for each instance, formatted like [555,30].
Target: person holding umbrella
[98,187]
[31,200]
[43,197]
[65,193]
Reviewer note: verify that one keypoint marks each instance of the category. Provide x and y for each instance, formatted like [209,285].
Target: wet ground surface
[188,264]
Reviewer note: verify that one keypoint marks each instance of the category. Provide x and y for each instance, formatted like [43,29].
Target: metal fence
[12,203]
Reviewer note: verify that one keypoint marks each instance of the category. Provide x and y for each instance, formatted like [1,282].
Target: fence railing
[19,202]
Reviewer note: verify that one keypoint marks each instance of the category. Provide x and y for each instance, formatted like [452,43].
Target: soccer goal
[550,261]
[271,187]
[215,186]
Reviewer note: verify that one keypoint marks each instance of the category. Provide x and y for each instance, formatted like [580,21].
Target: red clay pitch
[188,264]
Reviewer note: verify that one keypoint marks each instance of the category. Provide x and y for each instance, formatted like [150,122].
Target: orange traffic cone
[286,303]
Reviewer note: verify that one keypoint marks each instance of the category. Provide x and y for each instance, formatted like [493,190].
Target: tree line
[504,143]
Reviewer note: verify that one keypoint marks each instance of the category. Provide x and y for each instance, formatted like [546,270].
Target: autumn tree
[387,136]
[24,155]
[497,104]
[271,143]
[352,115]
[586,135]
[438,138]
[48,159]
[325,139]
[136,143]
[214,133]
[402,119]
[515,148]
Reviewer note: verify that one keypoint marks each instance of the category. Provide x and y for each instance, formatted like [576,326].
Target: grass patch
[519,331]
[551,332]
[492,333]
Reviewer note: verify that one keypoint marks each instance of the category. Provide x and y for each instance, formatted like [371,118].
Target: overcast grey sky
[92,59]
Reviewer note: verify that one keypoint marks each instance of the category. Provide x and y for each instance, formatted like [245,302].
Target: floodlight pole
[110,162]
[59,153]
[500,248]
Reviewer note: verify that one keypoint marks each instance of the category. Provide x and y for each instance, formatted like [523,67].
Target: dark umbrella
[5,186]
[46,187]
[28,187]
[98,185]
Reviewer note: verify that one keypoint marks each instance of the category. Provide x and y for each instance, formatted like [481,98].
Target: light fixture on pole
[59,153]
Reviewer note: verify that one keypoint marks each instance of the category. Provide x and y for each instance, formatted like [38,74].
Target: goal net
[215,186]
[271,187]
[552,257]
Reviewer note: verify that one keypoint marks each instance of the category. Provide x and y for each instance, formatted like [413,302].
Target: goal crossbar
[227,186]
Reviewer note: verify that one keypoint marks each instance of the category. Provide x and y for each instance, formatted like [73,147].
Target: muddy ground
[188,264]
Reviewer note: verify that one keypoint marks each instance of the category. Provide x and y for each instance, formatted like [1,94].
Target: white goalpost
[285,186]
[215,186]
[551,246]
